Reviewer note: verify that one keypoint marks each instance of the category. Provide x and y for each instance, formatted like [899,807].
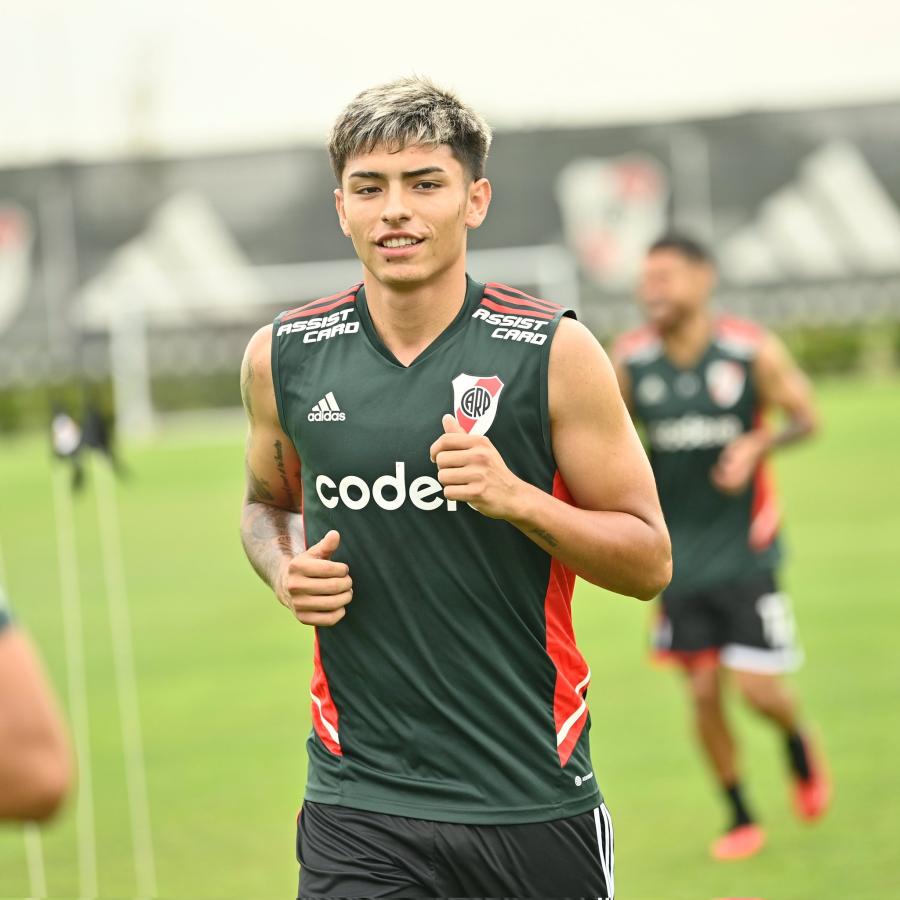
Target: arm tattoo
[246,381]
[269,534]
[279,462]
[546,537]
[257,488]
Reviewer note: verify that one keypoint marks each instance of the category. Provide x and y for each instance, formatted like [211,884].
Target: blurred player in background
[449,755]
[35,766]
[700,383]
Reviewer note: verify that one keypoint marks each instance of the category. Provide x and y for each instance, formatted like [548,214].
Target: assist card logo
[475,401]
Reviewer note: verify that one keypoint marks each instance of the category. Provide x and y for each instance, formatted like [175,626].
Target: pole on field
[126,681]
[73,631]
[34,854]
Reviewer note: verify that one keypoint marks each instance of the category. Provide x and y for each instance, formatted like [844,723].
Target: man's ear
[479,200]
[339,206]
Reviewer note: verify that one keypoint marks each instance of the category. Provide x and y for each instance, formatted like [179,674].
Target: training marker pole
[126,680]
[73,630]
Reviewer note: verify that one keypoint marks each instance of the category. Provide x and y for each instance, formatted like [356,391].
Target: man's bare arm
[623,377]
[614,535]
[271,527]
[35,760]
[305,580]
[783,386]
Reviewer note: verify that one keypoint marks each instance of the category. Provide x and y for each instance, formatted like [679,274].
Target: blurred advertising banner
[16,235]
[611,210]
[193,247]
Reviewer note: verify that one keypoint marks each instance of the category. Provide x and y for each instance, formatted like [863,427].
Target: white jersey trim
[563,732]
[332,731]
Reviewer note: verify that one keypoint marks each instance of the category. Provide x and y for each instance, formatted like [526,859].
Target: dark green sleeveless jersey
[5,617]
[690,415]
[452,690]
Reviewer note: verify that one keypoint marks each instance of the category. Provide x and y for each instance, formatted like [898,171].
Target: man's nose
[396,207]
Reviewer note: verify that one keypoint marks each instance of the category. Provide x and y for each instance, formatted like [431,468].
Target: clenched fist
[738,462]
[471,470]
[316,589]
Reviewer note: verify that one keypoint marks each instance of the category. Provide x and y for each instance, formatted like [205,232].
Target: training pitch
[223,674]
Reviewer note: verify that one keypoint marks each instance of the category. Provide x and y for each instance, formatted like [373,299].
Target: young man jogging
[458,452]
[700,384]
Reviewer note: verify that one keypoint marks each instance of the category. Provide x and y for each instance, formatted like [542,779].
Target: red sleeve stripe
[516,294]
[527,305]
[522,301]
[516,312]
[741,329]
[310,307]
[318,310]
[634,341]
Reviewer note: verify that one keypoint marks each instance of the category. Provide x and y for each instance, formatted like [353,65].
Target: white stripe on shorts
[612,849]
[604,845]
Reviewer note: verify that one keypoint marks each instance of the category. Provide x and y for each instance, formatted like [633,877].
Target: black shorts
[745,624]
[352,853]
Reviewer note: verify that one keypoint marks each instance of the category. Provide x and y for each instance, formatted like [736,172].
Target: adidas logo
[326,410]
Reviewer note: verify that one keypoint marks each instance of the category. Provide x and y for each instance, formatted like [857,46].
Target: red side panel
[324,712]
[572,672]
[764,513]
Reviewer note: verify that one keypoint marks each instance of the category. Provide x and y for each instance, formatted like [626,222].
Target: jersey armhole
[276,378]
[6,618]
[545,379]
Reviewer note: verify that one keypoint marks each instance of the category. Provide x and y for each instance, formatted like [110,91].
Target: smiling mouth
[394,243]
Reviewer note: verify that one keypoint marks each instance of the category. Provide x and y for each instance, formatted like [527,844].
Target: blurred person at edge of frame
[700,383]
[35,759]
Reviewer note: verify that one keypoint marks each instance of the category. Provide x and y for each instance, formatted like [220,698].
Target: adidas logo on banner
[326,410]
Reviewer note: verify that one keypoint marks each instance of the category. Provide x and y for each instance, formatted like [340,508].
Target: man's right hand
[316,589]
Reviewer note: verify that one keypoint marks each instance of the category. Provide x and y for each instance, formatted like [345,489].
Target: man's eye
[368,189]
[427,185]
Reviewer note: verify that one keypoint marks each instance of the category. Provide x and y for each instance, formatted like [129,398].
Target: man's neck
[687,342]
[408,320]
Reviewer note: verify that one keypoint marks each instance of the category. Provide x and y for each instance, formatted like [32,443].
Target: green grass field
[223,674]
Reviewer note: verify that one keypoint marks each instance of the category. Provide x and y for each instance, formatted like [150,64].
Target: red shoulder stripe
[318,310]
[528,304]
[310,305]
[515,292]
[634,341]
[740,329]
[516,312]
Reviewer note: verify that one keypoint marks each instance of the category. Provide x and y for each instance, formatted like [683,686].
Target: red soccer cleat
[812,795]
[739,843]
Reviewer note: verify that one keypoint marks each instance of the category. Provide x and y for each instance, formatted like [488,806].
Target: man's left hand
[472,471]
[738,462]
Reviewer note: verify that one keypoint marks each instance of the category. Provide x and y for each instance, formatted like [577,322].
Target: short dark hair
[406,112]
[688,247]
